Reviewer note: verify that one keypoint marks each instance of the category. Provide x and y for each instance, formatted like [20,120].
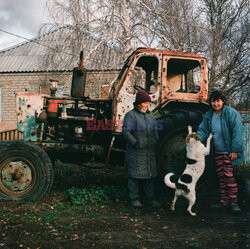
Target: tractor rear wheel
[26,171]
[172,150]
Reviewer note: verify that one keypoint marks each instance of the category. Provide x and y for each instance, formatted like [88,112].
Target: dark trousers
[133,188]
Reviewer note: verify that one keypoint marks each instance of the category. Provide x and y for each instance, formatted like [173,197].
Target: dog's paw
[189,129]
[172,209]
[192,213]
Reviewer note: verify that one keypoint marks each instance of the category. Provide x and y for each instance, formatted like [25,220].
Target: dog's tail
[172,181]
[168,181]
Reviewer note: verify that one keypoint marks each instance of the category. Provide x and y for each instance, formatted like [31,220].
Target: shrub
[95,194]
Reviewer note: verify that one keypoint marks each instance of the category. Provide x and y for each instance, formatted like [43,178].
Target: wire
[33,40]
[14,34]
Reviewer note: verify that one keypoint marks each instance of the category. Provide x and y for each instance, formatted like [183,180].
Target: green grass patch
[49,218]
[7,216]
[95,194]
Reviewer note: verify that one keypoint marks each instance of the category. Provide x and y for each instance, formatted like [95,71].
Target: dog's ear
[189,129]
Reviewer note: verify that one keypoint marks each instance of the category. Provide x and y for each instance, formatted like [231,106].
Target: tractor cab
[165,75]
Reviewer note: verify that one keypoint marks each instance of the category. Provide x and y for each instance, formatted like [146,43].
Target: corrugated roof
[53,52]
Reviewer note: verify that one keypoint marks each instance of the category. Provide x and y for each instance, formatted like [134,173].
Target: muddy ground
[56,222]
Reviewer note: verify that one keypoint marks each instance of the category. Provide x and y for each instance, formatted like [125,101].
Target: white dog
[185,186]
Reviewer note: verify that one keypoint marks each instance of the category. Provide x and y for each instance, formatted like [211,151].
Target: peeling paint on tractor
[27,106]
[126,97]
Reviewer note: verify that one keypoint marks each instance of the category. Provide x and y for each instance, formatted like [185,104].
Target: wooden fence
[11,135]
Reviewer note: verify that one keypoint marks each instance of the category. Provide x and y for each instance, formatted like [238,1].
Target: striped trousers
[226,174]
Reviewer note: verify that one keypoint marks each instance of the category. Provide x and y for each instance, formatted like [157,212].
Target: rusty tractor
[79,129]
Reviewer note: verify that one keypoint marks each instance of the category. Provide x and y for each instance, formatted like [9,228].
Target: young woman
[226,125]
[140,133]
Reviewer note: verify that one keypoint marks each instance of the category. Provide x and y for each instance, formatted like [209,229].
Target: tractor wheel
[26,171]
[172,150]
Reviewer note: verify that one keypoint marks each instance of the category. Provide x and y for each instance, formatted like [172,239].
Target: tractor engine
[77,120]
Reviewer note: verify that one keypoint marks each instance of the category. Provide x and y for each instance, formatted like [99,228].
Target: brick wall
[34,82]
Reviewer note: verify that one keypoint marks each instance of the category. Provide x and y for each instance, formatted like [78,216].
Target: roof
[169,52]
[52,52]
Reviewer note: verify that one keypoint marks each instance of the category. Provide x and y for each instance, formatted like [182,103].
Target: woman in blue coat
[140,132]
[225,124]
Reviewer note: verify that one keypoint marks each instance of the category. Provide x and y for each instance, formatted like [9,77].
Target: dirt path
[54,222]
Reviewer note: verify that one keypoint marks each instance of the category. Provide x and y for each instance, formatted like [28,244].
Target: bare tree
[124,25]
[227,24]
[108,31]
[177,24]
[216,28]
[104,29]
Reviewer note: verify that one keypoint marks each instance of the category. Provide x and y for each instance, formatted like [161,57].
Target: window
[144,75]
[45,89]
[183,75]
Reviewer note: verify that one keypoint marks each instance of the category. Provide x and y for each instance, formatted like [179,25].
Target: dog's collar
[190,161]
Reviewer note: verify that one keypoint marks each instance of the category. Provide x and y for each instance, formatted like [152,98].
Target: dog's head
[191,135]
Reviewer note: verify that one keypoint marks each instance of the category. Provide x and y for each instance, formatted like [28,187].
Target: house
[27,67]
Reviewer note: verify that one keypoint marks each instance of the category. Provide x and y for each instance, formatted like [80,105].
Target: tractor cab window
[183,75]
[144,75]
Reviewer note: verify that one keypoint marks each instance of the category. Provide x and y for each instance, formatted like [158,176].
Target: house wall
[36,82]
[246,131]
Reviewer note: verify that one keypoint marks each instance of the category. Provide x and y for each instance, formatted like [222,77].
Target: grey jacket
[141,135]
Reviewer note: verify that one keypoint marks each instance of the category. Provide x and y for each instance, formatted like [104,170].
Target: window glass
[144,75]
[183,75]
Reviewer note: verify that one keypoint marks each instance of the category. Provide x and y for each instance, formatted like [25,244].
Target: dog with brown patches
[185,186]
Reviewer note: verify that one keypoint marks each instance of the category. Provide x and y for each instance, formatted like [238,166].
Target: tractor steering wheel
[139,88]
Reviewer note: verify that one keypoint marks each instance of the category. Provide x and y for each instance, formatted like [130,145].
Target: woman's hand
[233,156]
[137,145]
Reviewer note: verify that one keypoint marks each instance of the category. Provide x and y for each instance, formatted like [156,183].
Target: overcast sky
[21,17]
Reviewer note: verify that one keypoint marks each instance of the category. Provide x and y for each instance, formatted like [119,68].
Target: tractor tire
[26,171]
[172,148]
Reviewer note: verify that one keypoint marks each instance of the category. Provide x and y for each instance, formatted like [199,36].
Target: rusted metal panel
[16,176]
[169,92]
[167,87]
[167,52]
[125,101]
[27,106]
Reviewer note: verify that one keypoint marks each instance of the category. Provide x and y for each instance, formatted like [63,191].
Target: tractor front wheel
[25,171]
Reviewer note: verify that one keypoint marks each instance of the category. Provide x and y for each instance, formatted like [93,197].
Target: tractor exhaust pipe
[79,79]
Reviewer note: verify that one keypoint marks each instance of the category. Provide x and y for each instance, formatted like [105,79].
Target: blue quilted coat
[232,129]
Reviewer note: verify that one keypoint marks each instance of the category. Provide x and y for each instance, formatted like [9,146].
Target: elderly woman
[226,125]
[140,133]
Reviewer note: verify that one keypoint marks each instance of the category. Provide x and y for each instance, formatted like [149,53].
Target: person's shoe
[135,203]
[219,206]
[235,209]
[154,203]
